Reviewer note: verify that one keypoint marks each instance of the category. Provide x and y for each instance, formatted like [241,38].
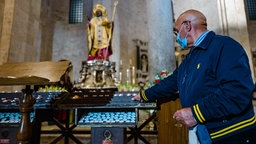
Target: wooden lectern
[28,74]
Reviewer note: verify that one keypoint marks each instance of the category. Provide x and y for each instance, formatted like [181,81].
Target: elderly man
[214,84]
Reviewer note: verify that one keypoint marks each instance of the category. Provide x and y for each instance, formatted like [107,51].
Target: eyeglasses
[176,31]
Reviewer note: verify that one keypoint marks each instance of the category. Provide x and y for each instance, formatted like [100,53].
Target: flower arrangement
[158,77]
[128,87]
[51,88]
[162,75]
[134,87]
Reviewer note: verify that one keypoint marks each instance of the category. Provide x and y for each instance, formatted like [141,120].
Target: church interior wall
[132,34]
[41,31]
[69,40]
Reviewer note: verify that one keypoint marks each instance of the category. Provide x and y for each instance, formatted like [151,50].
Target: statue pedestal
[96,74]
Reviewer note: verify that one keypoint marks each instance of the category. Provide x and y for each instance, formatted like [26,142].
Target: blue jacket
[215,81]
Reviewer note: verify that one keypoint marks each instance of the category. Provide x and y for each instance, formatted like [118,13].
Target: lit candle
[120,77]
[120,71]
[133,75]
[128,74]
[121,66]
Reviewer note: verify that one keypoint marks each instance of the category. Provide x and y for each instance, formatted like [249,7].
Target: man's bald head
[193,16]
[190,25]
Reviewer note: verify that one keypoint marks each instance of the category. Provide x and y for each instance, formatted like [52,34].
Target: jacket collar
[207,40]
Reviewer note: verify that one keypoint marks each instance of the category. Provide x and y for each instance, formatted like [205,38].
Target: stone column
[234,24]
[161,45]
[47,30]
[6,33]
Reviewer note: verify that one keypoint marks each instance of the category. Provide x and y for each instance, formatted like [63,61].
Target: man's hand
[185,116]
[137,98]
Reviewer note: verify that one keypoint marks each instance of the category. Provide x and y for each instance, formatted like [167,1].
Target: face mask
[182,41]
